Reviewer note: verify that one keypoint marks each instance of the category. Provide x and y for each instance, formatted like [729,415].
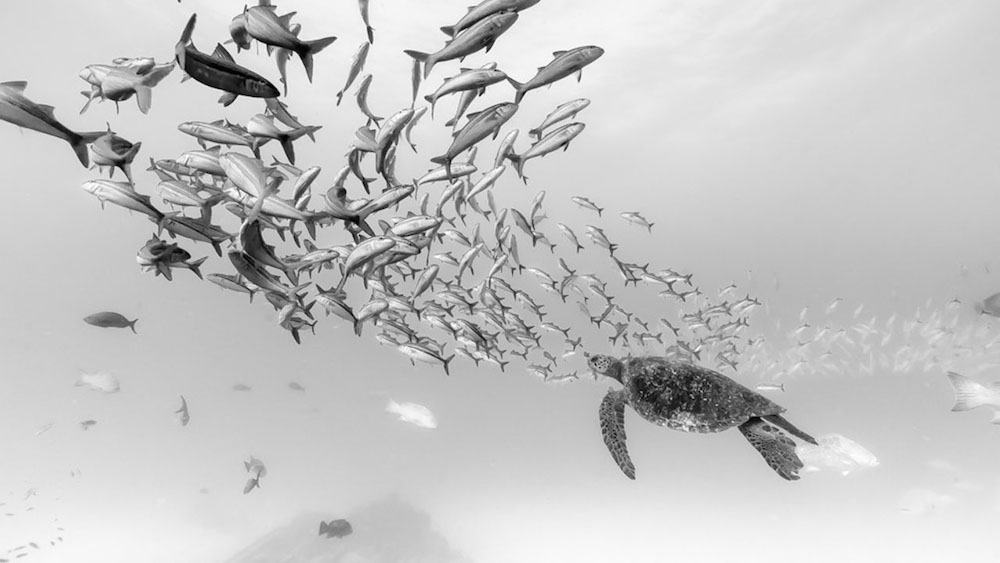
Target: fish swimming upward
[17,109]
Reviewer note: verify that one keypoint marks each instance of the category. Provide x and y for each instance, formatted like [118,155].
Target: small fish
[562,112]
[770,386]
[241,387]
[294,386]
[335,528]
[357,64]
[415,414]
[183,412]
[587,204]
[109,319]
[87,424]
[485,9]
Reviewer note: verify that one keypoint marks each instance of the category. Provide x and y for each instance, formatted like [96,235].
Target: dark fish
[108,319]
[219,73]
[335,528]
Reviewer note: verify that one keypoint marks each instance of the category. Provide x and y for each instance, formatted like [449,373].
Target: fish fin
[310,48]
[16,85]
[445,362]
[79,143]
[196,266]
[449,30]
[371,34]
[579,75]
[442,160]
[180,51]
[143,97]
[519,87]
[131,325]
[969,394]
[556,54]
[158,73]
[428,60]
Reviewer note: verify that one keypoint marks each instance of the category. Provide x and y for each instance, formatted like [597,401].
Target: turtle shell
[690,398]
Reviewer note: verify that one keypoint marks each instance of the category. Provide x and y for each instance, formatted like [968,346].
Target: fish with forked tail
[17,109]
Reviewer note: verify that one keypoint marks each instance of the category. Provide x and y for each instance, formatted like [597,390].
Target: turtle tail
[780,422]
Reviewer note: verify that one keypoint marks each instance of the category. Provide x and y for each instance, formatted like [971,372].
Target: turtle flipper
[780,422]
[613,429]
[777,449]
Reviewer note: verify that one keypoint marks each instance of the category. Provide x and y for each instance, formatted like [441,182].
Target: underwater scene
[303,281]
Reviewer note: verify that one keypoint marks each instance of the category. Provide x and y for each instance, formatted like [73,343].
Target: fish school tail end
[310,48]
[79,144]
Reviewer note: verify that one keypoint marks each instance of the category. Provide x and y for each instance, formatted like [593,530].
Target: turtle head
[605,365]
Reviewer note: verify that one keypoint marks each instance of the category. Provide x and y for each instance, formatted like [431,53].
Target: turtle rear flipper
[777,449]
[613,429]
[780,421]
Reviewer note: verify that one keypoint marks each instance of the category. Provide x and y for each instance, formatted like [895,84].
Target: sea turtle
[691,398]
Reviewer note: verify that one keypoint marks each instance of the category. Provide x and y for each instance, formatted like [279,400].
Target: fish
[263,24]
[262,126]
[17,109]
[837,453]
[770,386]
[123,194]
[362,97]
[557,139]
[103,382]
[415,81]
[85,425]
[241,387]
[119,83]
[636,218]
[424,354]
[336,528]
[564,111]
[482,34]
[218,72]
[564,63]
[481,125]
[587,204]
[294,386]
[970,394]
[363,7]
[357,64]
[485,9]
[183,412]
[411,124]
[417,415]
[467,79]
[109,319]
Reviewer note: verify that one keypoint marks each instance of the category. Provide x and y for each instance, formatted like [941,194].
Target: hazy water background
[834,149]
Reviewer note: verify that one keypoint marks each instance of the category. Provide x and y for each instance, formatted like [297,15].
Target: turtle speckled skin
[691,398]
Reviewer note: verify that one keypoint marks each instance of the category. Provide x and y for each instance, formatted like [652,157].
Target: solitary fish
[17,109]
[335,528]
[108,319]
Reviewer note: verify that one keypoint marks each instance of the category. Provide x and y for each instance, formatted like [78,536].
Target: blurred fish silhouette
[335,528]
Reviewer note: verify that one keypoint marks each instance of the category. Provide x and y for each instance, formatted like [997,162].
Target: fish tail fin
[519,87]
[428,60]
[449,30]
[180,52]
[518,166]
[131,325]
[599,211]
[433,101]
[340,97]
[196,266]
[968,393]
[323,528]
[450,123]
[371,34]
[310,48]
[79,143]
[536,133]
[447,361]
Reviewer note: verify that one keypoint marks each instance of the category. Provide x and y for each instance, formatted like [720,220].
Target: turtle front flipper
[613,429]
[777,449]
